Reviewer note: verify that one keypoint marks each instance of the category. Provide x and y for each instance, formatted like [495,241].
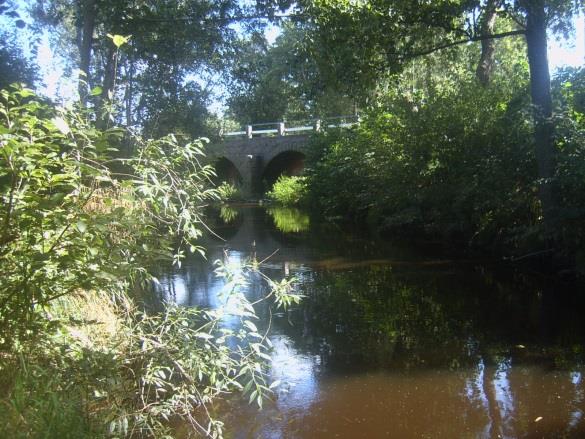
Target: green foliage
[69,222]
[78,357]
[438,153]
[112,369]
[14,66]
[270,83]
[228,192]
[443,155]
[182,112]
[288,190]
[570,177]
[361,39]
[171,42]
[42,401]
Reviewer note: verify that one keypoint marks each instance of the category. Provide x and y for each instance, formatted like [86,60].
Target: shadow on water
[395,341]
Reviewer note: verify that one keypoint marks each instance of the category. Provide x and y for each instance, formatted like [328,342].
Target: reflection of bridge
[254,158]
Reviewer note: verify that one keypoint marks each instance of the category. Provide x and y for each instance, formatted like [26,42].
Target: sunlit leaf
[81,226]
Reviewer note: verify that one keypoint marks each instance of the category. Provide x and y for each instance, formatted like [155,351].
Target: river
[398,341]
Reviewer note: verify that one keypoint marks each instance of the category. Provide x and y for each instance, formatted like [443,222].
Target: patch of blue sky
[571,52]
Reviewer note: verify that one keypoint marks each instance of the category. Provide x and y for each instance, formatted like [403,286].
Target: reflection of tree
[289,220]
[378,316]
[224,221]
[468,343]
[227,213]
[369,316]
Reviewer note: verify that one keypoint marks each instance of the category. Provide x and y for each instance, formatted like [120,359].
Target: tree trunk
[107,89]
[540,90]
[488,47]
[129,95]
[88,12]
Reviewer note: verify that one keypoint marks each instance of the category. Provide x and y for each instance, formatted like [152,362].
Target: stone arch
[227,170]
[288,162]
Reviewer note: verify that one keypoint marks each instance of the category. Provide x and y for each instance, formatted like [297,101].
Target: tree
[182,113]
[269,83]
[14,67]
[257,93]
[391,32]
[181,38]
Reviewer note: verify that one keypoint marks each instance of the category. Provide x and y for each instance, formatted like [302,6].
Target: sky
[61,88]
[568,53]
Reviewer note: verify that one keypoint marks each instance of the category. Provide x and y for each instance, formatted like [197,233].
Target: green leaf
[251,325]
[265,356]
[61,125]
[81,226]
[96,91]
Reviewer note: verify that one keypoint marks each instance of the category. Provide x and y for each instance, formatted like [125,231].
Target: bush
[453,160]
[288,190]
[78,357]
[229,192]
[71,223]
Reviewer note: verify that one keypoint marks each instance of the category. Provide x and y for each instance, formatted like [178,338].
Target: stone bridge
[254,159]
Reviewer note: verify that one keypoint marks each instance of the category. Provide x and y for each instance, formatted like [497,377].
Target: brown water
[401,342]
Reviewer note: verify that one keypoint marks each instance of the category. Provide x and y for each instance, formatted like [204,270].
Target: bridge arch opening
[227,171]
[286,163]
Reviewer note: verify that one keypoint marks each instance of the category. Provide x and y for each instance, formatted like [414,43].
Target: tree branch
[457,43]
[224,20]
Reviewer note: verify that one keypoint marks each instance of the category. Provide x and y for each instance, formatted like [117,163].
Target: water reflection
[227,213]
[289,219]
[408,346]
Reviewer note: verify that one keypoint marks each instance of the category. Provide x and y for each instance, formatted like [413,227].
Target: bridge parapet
[252,150]
[293,127]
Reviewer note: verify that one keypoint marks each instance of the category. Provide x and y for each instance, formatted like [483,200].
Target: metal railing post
[317,125]
[249,131]
[281,130]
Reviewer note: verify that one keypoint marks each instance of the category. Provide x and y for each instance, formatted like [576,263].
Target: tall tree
[86,30]
[393,31]
[268,83]
[14,66]
[488,46]
[183,38]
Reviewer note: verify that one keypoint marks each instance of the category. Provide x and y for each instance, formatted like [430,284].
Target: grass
[65,384]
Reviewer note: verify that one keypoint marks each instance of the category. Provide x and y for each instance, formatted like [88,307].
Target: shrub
[78,357]
[457,164]
[288,190]
[228,192]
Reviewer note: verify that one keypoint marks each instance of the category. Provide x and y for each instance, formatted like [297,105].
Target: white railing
[283,128]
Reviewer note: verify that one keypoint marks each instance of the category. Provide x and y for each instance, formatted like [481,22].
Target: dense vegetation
[82,232]
[458,161]
[288,190]
[462,137]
